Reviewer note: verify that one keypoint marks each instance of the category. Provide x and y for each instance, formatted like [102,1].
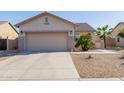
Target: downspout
[7,41]
[74,37]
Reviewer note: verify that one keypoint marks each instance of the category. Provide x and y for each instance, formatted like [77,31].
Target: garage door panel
[46,41]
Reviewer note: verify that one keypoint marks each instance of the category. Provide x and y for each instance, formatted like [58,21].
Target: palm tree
[104,32]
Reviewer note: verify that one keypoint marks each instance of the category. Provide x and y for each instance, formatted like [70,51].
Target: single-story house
[119,41]
[48,32]
[8,36]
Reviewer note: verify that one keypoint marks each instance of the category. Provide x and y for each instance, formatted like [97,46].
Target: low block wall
[110,41]
[12,44]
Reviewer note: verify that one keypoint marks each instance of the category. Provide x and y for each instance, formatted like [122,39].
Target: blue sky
[94,18]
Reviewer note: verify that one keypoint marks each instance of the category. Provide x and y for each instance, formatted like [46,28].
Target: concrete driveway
[39,66]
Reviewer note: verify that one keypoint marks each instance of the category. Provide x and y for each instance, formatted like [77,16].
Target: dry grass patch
[100,65]
[4,58]
[121,51]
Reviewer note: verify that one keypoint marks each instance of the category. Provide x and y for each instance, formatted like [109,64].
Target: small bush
[117,48]
[85,41]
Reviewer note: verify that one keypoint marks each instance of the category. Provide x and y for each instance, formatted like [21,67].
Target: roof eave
[86,31]
[117,26]
[13,27]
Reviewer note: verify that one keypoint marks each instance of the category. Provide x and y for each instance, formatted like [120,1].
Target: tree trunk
[104,41]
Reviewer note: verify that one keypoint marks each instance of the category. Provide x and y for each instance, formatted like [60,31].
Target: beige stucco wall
[7,32]
[55,25]
[115,32]
[38,24]
[21,42]
[121,43]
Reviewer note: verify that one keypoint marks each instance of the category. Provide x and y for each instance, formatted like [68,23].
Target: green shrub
[85,41]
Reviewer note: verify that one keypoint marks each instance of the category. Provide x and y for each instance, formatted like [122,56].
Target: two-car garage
[46,41]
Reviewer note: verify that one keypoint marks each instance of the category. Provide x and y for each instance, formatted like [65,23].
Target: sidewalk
[102,79]
[98,51]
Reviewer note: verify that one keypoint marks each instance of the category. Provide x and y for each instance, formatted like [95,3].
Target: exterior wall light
[21,32]
[70,32]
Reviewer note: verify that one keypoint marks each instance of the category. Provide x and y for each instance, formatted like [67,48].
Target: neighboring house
[47,32]
[118,40]
[8,36]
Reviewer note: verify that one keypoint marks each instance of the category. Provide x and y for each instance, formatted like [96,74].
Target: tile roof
[83,27]
[2,22]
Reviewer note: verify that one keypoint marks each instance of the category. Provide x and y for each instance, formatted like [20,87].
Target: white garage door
[46,41]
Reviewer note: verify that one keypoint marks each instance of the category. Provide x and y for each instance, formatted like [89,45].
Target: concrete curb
[94,53]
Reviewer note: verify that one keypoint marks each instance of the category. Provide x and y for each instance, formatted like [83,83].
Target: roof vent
[46,21]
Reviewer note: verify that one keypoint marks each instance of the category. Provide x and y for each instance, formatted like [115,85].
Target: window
[71,32]
[76,37]
[118,39]
[89,33]
[46,20]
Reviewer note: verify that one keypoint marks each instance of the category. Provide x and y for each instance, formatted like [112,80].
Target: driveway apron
[39,66]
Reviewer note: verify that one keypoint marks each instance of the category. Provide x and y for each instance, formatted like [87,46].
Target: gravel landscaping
[6,54]
[99,65]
